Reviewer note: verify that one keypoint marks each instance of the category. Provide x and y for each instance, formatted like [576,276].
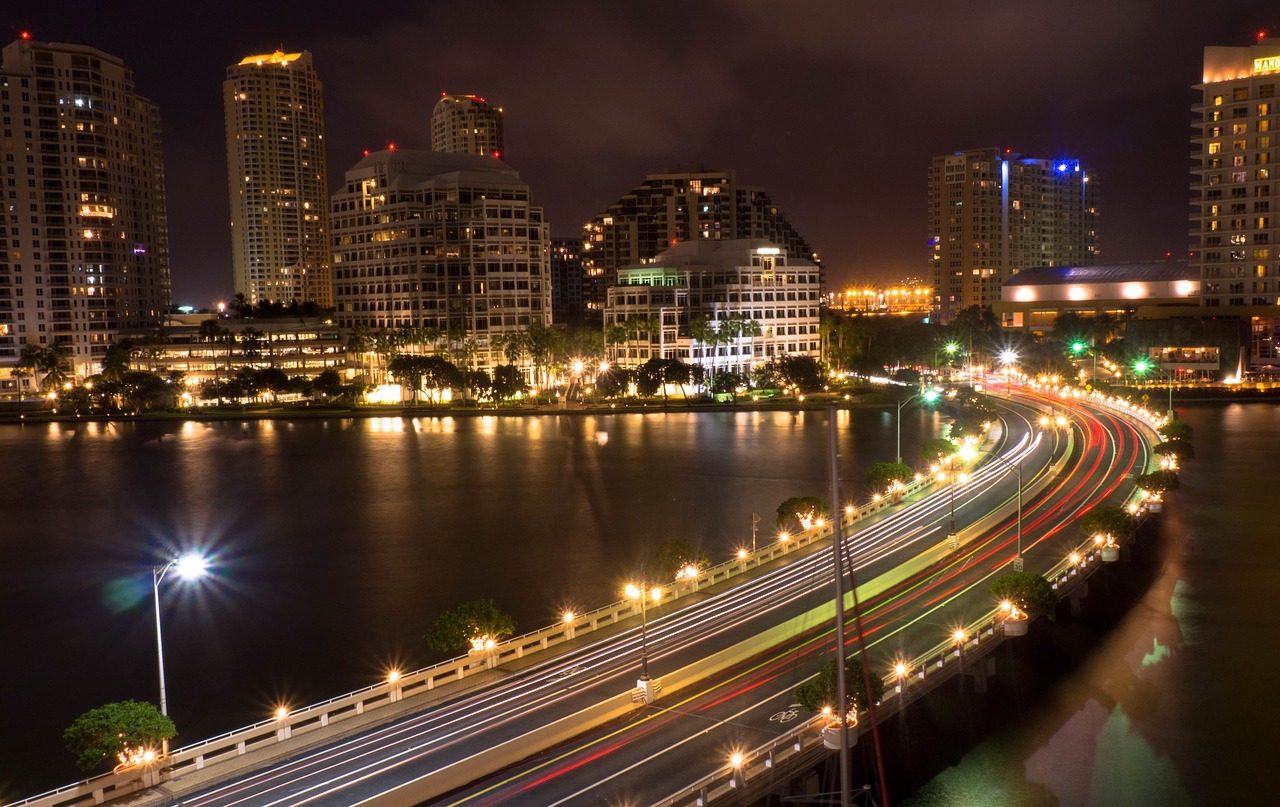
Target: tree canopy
[108,733]
[471,622]
[675,554]
[1032,593]
[798,512]
[821,691]
[1107,520]
[1159,481]
[883,474]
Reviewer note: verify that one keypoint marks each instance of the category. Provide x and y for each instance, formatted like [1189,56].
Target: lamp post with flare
[187,567]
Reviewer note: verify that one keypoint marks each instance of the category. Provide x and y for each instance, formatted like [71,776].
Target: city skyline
[803,104]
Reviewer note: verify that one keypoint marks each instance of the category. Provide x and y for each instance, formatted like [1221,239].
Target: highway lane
[639,760]
[450,740]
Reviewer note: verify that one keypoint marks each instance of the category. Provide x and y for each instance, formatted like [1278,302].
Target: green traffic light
[1141,365]
[1078,347]
[951,348]
[930,396]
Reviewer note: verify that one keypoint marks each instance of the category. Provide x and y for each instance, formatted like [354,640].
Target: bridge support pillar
[1077,594]
[980,672]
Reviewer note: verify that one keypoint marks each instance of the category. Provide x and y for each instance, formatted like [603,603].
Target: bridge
[557,716]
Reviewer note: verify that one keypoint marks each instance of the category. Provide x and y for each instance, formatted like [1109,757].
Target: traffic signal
[1078,347]
[1141,366]
[931,395]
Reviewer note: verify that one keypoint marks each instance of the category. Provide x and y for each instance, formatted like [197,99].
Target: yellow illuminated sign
[1267,64]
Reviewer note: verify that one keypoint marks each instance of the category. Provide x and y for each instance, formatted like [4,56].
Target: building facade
[1033,299]
[908,297]
[726,281]
[447,242]
[276,178]
[84,250]
[466,124]
[681,204]
[301,348]
[994,212]
[1235,235]
[566,280]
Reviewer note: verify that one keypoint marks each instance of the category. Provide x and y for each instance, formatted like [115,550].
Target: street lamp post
[1017,562]
[953,537]
[186,567]
[636,592]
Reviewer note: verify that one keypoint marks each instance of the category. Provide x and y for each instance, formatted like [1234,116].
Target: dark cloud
[834,107]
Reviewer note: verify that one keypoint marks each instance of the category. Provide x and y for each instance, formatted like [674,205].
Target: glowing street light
[187,567]
[1007,357]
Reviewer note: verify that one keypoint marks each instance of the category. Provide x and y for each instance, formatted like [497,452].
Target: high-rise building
[84,246]
[466,124]
[276,178]
[730,285]
[566,280]
[1236,119]
[680,204]
[1235,235]
[451,243]
[994,212]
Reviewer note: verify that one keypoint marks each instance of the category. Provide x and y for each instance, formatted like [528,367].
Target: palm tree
[55,362]
[28,365]
[360,343]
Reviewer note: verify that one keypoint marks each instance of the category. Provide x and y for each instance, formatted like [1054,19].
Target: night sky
[836,108]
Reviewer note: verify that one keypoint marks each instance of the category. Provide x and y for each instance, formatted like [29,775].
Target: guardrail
[298,722]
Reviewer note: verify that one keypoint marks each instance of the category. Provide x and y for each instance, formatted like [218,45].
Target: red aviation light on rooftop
[391,147]
[26,34]
[1262,35]
[497,155]
[366,152]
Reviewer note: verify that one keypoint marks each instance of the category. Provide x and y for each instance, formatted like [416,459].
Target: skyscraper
[1235,235]
[679,204]
[994,212]
[276,178]
[84,250]
[457,248]
[466,124]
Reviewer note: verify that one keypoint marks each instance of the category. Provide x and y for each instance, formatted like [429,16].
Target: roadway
[458,747]
[646,758]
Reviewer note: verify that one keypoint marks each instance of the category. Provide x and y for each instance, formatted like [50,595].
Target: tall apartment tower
[447,242]
[566,280]
[1235,235]
[466,124]
[276,179]
[84,246]
[679,204]
[994,212]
